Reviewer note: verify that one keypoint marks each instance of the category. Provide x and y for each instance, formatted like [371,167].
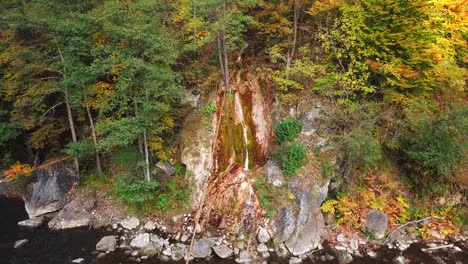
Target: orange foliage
[16,170]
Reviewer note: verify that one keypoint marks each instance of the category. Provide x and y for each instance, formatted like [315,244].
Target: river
[50,247]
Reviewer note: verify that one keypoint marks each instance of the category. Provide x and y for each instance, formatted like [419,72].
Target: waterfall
[240,115]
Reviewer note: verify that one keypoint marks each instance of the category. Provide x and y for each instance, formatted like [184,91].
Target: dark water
[49,247]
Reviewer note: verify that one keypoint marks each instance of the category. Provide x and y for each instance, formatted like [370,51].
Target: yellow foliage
[16,170]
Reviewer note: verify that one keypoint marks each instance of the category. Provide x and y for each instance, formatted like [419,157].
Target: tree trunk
[93,133]
[220,57]
[294,41]
[72,129]
[226,64]
[147,171]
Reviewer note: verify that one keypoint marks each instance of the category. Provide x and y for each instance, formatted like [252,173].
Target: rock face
[263,236]
[274,173]
[301,231]
[166,167]
[51,182]
[106,243]
[32,223]
[20,243]
[202,248]
[75,214]
[376,223]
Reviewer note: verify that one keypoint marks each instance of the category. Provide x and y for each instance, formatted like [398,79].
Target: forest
[106,82]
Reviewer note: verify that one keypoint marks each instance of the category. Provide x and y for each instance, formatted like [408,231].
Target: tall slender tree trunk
[226,64]
[72,129]
[140,142]
[220,57]
[292,52]
[93,133]
[147,171]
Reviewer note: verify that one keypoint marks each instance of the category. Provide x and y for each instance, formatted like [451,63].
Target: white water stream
[240,115]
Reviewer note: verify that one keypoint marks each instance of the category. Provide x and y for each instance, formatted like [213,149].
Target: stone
[223,251]
[399,260]
[166,167]
[274,173]
[20,243]
[371,254]
[307,236]
[329,219]
[198,228]
[261,248]
[78,260]
[77,213]
[149,226]
[151,250]
[34,222]
[178,252]
[340,248]
[115,226]
[130,223]
[167,252]
[354,244]
[295,260]
[341,238]
[263,236]
[435,234]
[376,224]
[281,250]
[134,253]
[344,257]
[265,255]
[202,248]
[184,238]
[140,240]
[244,257]
[107,243]
[50,185]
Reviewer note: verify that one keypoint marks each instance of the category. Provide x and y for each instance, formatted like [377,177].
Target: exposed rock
[32,223]
[285,225]
[20,243]
[78,260]
[435,234]
[329,218]
[376,223]
[344,257]
[51,182]
[106,243]
[274,173]
[149,226]
[307,236]
[202,248]
[281,250]
[190,98]
[341,238]
[178,252]
[244,257]
[130,223]
[166,167]
[400,260]
[263,236]
[151,250]
[261,248]
[75,214]
[167,252]
[295,260]
[140,240]
[223,251]
[354,244]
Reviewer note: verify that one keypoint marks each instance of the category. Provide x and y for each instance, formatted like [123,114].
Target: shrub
[138,192]
[209,109]
[437,147]
[362,149]
[266,195]
[287,130]
[291,158]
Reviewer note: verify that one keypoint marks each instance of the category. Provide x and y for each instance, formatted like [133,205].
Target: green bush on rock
[291,158]
[288,130]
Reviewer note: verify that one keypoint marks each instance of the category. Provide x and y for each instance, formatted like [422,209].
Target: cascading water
[240,116]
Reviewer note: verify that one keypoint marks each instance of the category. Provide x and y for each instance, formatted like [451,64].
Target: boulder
[178,252]
[32,222]
[78,260]
[307,236]
[244,257]
[50,184]
[263,236]
[130,223]
[166,167]
[77,213]
[262,248]
[274,174]
[376,224]
[140,240]
[202,248]
[151,250]
[223,251]
[149,226]
[106,243]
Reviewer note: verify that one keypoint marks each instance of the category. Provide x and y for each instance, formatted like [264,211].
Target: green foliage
[80,149]
[362,149]
[291,158]
[436,148]
[209,109]
[137,193]
[287,130]
[267,194]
